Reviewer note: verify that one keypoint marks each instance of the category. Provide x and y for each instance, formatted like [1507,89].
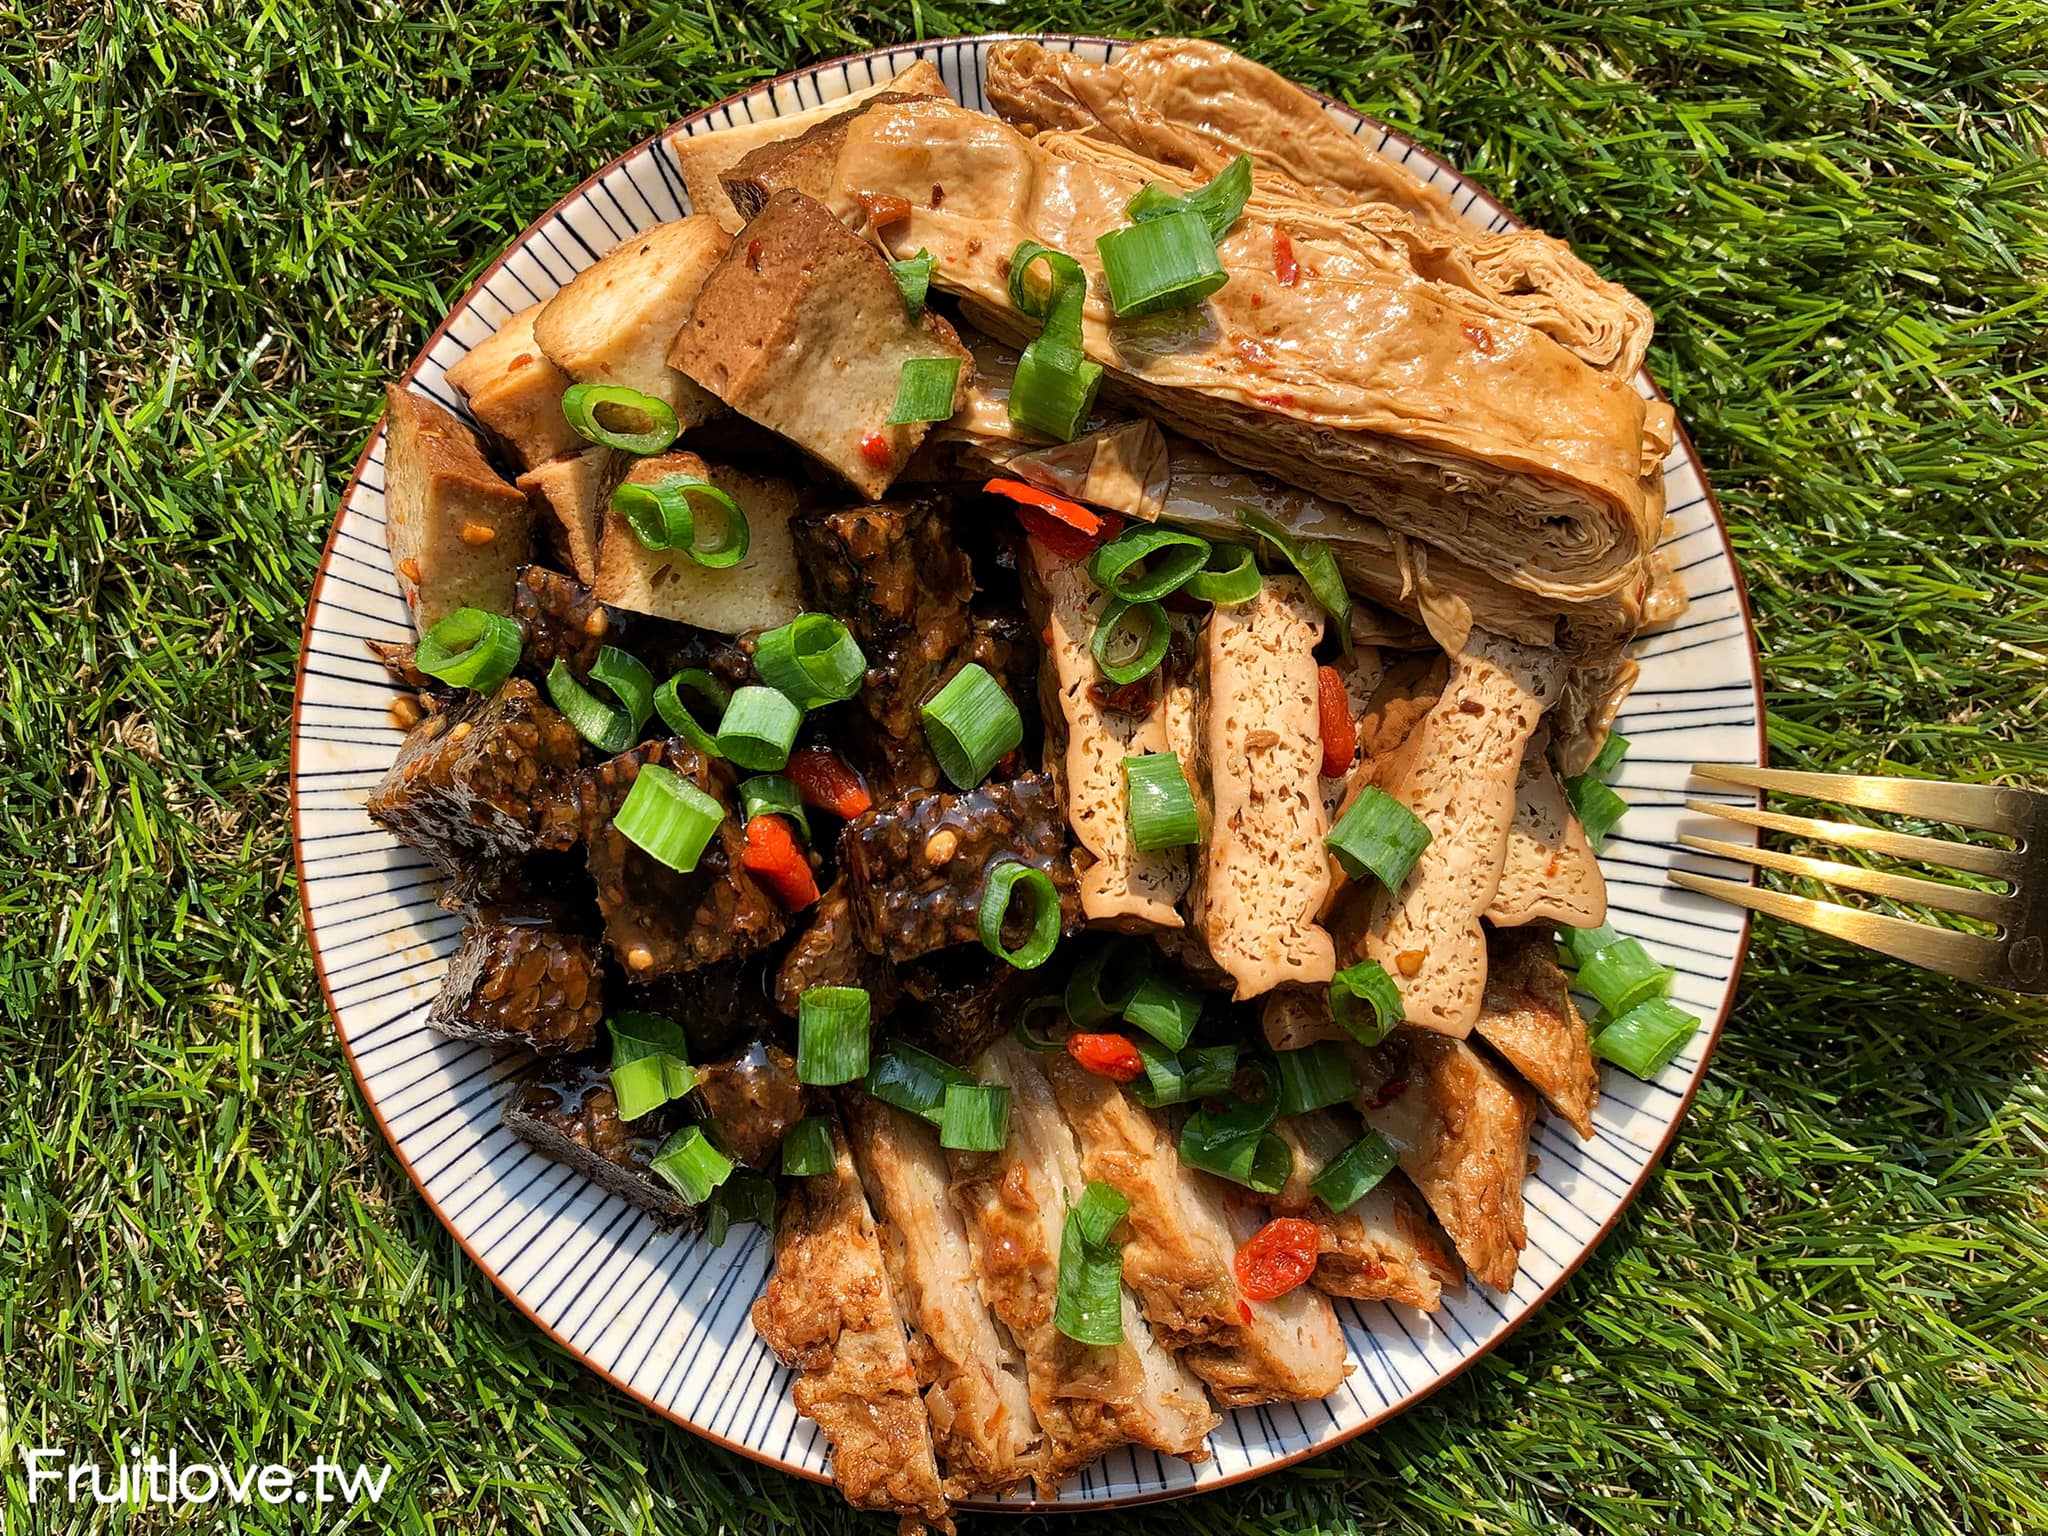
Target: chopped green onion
[1230,576]
[650,1063]
[661,517]
[1043,1044]
[470,648]
[1154,199]
[1612,751]
[1380,834]
[582,402]
[759,727]
[1166,1009]
[1143,564]
[1313,562]
[1130,640]
[676,715]
[1242,1114]
[1314,1077]
[1167,262]
[773,794]
[913,276]
[1646,1039]
[729,546]
[1366,1001]
[1180,1077]
[831,1036]
[971,725]
[1597,807]
[1161,804]
[1263,1162]
[1582,944]
[812,660]
[609,730]
[996,897]
[691,1165]
[1106,979]
[744,1197]
[1219,203]
[1055,384]
[1089,1300]
[913,1080]
[807,1147]
[1352,1174]
[1062,274]
[667,817]
[1621,976]
[975,1118]
[924,390]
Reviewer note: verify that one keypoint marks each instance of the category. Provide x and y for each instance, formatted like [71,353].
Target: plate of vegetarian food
[984,766]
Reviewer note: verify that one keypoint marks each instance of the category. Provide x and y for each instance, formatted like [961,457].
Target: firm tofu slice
[1120,885]
[457,532]
[1462,765]
[1461,1127]
[1530,1019]
[515,393]
[829,1313]
[973,1375]
[568,498]
[705,158]
[1087,1399]
[760,592]
[1181,1252]
[1549,874]
[805,162]
[615,321]
[802,328]
[1383,1248]
[1261,880]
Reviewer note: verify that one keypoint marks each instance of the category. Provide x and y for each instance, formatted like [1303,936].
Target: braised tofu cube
[520,980]
[568,495]
[803,329]
[614,322]
[760,592]
[456,531]
[515,393]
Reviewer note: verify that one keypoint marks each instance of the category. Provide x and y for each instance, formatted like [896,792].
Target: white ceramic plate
[665,1318]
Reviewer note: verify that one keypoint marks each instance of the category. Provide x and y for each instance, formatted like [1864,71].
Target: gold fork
[2016,960]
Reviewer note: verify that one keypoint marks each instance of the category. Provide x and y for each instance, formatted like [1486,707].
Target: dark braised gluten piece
[567,1110]
[520,980]
[753,1099]
[558,616]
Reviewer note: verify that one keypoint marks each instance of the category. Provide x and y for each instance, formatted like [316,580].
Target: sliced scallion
[581,404]
[677,716]
[913,276]
[832,1036]
[1130,640]
[1621,976]
[673,512]
[1167,262]
[913,1080]
[650,1063]
[1183,1076]
[924,390]
[470,648]
[975,1117]
[1353,1173]
[610,730]
[996,897]
[1646,1039]
[1242,1114]
[1314,1077]
[1219,203]
[1166,1009]
[1379,834]
[812,660]
[1229,576]
[1089,1298]
[1598,808]
[744,1197]
[667,817]
[759,727]
[1143,564]
[691,1165]
[1612,751]
[1055,384]
[1366,1001]
[1582,944]
[1030,1039]
[1261,1161]
[1106,979]
[1100,1208]
[773,794]
[807,1147]
[1314,563]
[1162,806]
[971,725]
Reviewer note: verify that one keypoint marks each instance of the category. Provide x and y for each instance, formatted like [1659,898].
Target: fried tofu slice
[456,531]
[1087,1399]
[515,393]
[568,499]
[705,158]
[973,1375]
[1459,777]
[1180,1255]
[762,591]
[805,162]
[802,328]
[1383,1248]
[1531,1020]
[1461,1127]
[1549,874]
[615,321]
[829,1313]
[1261,880]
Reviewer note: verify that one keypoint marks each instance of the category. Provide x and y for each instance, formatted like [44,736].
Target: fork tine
[1973,857]
[1985,806]
[1930,893]
[1967,956]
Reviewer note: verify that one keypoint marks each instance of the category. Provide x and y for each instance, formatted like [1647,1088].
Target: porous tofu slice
[704,158]
[760,592]
[1549,874]
[457,532]
[1261,880]
[515,393]
[568,496]
[614,322]
[1381,1248]
[802,328]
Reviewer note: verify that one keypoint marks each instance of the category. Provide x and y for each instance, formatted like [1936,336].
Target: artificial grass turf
[227,224]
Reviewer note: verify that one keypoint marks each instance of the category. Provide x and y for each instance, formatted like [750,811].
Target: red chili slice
[875,449]
[1110,1056]
[1277,1258]
[1333,717]
[1065,527]
[1284,265]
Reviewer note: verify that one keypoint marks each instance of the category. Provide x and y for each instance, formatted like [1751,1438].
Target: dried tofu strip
[980,1412]
[1179,1257]
[1530,1019]
[1461,1127]
[1549,874]
[829,1313]
[1381,1249]
[1087,1399]
[1263,875]
[1462,766]
[1120,884]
